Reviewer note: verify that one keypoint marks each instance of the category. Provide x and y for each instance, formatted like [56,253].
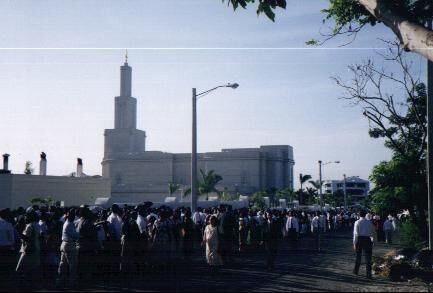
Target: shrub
[410,235]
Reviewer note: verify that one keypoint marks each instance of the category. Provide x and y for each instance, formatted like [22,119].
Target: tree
[227,196]
[406,18]
[311,195]
[400,119]
[172,188]
[303,179]
[47,201]
[28,170]
[316,184]
[271,192]
[209,182]
[285,193]
[336,199]
[257,200]
[186,192]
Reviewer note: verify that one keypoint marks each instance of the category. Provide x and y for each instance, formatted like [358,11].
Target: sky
[60,73]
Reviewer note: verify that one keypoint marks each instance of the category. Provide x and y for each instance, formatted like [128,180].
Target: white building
[137,175]
[19,189]
[356,187]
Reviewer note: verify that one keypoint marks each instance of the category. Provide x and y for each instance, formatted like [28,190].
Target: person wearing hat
[30,259]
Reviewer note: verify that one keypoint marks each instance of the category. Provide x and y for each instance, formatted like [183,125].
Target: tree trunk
[413,36]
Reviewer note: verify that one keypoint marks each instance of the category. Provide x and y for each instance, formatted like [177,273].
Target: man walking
[388,228]
[69,250]
[292,230]
[317,230]
[363,233]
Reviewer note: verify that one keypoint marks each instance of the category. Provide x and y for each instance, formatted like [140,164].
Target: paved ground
[305,270]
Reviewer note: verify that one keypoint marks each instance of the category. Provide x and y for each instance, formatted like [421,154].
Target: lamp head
[337,162]
[233,85]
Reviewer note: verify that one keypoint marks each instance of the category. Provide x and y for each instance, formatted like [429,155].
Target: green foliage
[411,235]
[266,7]
[227,196]
[28,170]
[257,200]
[286,193]
[45,201]
[186,192]
[310,196]
[172,188]
[304,178]
[336,199]
[348,16]
[209,182]
[316,184]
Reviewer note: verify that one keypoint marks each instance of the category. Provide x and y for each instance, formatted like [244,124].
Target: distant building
[19,189]
[358,188]
[137,174]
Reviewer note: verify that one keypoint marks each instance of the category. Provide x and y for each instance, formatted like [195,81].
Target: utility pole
[430,144]
[320,185]
[194,153]
[345,192]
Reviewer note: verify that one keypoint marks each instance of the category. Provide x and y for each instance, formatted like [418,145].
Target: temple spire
[125,78]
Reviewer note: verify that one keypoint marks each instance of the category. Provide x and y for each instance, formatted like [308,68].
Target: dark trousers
[292,236]
[364,244]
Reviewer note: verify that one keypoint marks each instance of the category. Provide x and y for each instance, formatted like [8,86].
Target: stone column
[6,162]
[43,165]
[79,167]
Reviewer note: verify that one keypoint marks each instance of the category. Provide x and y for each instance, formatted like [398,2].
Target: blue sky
[60,72]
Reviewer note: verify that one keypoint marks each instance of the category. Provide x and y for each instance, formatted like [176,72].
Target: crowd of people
[67,245]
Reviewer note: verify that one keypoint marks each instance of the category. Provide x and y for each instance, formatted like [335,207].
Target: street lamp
[345,192]
[194,181]
[320,179]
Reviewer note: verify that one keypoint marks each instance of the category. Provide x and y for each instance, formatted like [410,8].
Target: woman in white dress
[210,238]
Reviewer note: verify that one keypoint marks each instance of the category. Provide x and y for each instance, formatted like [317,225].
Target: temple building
[138,175]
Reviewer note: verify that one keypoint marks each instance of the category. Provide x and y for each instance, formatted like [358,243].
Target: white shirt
[292,223]
[69,232]
[142,224]
[363,227]
[115,225]
[314,223]
[198,218]
[7,237]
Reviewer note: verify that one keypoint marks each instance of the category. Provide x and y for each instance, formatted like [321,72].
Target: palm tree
[316,184]
[210,180]
[186,192]
[172,188]
[304,178]
[310,193]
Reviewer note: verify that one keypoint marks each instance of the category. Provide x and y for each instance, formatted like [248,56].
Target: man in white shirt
[292,229]
[363,237]
[317,230]
[198,221]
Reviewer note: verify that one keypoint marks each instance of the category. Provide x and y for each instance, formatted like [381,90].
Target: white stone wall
[19,189]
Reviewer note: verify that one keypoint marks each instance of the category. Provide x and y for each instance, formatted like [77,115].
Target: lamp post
[345,192]
[320,180]
[194,181]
